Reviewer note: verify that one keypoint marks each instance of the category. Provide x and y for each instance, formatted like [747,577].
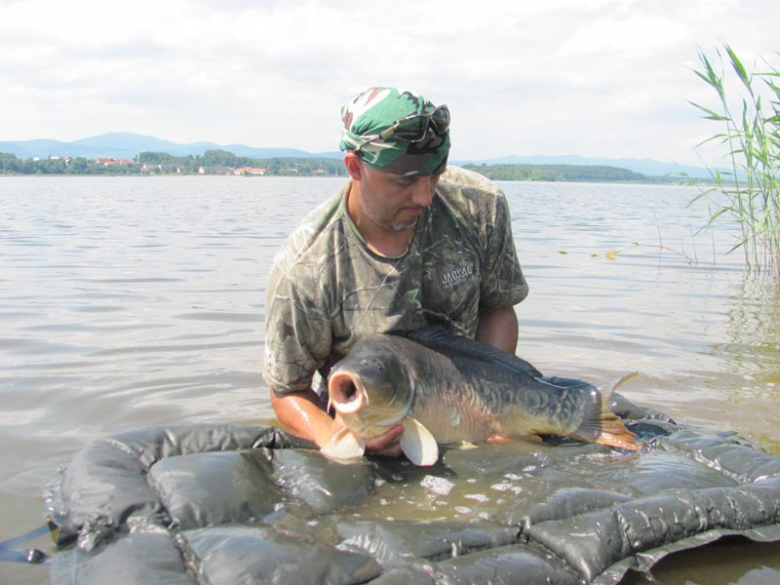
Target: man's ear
[354,166]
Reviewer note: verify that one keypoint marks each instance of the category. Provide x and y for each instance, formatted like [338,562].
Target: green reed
[748,192]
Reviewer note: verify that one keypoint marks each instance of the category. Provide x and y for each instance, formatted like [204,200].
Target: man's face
[393,202]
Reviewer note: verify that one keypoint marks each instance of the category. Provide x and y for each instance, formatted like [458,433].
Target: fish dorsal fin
[608,388]
[344,445]
[439,339]
[418,443]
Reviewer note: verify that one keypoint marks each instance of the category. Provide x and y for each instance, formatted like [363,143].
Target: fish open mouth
[344,394]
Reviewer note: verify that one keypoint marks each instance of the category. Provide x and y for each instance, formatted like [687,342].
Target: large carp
[445,389]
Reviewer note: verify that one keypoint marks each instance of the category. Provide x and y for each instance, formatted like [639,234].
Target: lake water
[129,302]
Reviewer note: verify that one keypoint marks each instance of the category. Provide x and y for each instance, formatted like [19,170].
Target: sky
[596,78]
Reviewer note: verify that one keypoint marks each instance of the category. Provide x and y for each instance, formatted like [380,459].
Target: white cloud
[636,35]
[602,78]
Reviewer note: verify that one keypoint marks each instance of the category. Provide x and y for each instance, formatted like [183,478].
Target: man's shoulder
[312,231]
[458,180]
[470,197]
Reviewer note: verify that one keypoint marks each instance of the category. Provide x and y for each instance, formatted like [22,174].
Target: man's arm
[498,328]
[303,414]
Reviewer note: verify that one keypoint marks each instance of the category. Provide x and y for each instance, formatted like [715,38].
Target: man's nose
[423,190]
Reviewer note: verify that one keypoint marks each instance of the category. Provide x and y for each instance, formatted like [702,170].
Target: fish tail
[603,426]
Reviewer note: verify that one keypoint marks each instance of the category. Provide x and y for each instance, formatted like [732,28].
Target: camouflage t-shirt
[327,288]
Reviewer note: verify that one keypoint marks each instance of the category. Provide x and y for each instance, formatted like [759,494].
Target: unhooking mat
[244,504]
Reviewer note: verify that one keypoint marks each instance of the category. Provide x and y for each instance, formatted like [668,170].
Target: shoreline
[698,182]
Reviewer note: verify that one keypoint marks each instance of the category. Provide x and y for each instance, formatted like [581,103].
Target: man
[403,245]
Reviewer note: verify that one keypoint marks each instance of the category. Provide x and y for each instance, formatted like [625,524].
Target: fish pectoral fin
[344,445]
[418,443]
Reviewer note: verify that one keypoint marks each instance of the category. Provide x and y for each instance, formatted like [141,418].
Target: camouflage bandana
[377,109]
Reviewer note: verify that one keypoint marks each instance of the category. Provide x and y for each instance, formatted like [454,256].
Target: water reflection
[754,324]
[753,351]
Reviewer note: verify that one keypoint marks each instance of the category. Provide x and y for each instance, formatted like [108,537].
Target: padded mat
[242,504]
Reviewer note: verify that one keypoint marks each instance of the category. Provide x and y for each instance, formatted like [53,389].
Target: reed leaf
[711,114]
[740,69]
[750,192]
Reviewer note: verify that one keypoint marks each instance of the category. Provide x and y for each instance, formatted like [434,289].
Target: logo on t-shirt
[457,276]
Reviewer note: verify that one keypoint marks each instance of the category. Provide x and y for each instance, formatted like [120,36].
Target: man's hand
[388,443]
[303,415]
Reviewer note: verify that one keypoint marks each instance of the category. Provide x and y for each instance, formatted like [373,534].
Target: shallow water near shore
[130,302]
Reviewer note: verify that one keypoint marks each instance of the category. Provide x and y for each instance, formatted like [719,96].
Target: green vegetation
[748,193]
[10,165]
[570,173]
[212,162]
[222,162]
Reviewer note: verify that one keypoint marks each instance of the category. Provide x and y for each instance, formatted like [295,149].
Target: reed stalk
[748,192]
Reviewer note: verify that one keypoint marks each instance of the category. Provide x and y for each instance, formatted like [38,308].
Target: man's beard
[402,227]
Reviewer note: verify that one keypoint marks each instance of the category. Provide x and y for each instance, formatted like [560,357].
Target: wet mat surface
[230,504]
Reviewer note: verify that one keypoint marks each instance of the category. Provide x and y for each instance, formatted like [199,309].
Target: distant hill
[569,173]
[648,167]
[127,145]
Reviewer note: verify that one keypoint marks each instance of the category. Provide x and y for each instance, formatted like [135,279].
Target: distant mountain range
[124,145]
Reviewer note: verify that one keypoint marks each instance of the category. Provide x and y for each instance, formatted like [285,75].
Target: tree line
[11,165]
[567,173]
[222,162]
[161,163]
